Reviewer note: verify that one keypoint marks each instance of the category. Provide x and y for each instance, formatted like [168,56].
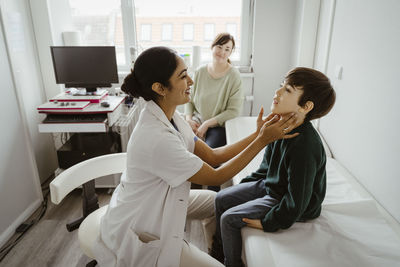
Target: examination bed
[353,229]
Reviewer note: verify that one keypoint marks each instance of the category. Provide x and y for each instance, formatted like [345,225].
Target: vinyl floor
[48,243]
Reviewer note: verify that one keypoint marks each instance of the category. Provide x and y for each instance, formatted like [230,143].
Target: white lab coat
[151,200]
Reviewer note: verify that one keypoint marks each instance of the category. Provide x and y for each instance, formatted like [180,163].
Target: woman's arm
[194,125]
[234,101]
[270,131]
[203,128]
[217,156]
[232,107]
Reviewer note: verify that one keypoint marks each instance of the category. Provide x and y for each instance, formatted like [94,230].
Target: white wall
[362,129]
[274,33]
[28,79]
[20,192]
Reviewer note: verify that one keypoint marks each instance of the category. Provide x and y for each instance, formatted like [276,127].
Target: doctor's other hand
[260,121]
[194,125]
[253,223]
[277,128]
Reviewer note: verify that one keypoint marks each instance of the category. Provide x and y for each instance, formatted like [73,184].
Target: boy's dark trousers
[232,204]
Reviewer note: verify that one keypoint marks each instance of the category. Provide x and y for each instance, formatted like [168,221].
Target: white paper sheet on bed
[351,234]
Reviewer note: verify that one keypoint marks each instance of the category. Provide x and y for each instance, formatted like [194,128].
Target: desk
[113,112]
[84,144]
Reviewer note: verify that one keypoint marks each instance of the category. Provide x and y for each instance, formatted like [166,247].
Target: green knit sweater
[294,172]
[220,98]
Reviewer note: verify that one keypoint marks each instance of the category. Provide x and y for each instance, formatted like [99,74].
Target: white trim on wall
[9,232]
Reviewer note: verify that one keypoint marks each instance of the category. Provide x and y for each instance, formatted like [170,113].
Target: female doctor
[144,223]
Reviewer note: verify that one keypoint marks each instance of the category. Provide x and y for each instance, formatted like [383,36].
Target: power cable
[24,227]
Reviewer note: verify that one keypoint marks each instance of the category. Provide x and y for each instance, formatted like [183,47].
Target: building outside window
[232,29]
[188,32]
[180,24]
[166,34]
[209,31]
[145,32]
[99,24]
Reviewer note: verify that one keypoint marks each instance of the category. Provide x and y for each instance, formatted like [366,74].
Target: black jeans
[215,137]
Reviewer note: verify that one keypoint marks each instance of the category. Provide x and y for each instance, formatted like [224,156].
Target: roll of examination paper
[196,57]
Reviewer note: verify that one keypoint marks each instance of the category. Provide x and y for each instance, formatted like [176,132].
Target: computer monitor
[85,66]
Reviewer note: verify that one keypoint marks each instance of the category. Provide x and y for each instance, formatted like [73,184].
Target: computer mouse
[105,104]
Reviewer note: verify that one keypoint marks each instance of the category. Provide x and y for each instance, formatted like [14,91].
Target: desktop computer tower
[83,146]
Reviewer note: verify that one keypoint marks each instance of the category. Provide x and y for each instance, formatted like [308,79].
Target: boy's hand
[253,223]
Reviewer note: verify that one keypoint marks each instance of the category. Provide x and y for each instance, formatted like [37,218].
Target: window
[196,23]
[188,32]
[145,32]
[231,28]
[99,23]
[180,24]
[166,34]
[209,32]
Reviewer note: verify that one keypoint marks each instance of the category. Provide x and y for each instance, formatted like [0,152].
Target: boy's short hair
[316,87]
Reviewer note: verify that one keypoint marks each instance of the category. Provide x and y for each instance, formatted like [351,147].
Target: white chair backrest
[85,171]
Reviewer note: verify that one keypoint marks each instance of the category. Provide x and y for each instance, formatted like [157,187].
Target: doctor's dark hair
[156,64]
[316,87]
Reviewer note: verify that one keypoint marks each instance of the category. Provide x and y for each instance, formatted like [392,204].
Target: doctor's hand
[253,223]
[277,128]
[260,121]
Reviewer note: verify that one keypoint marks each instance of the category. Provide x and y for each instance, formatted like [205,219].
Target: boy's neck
[300,119]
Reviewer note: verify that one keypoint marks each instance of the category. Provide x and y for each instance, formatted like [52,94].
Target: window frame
[131,43]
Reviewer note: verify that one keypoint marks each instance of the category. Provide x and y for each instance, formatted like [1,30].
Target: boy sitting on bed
[290,184]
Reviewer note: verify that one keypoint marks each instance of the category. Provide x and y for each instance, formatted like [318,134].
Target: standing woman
[144,223]
[217,94]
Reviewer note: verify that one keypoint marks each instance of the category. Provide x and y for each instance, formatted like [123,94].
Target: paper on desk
[350,234]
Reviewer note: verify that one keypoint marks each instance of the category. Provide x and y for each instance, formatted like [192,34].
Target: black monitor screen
[85,66]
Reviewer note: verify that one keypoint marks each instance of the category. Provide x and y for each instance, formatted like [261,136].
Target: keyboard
[75,118]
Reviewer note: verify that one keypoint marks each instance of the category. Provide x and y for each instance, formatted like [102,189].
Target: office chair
[81,174]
